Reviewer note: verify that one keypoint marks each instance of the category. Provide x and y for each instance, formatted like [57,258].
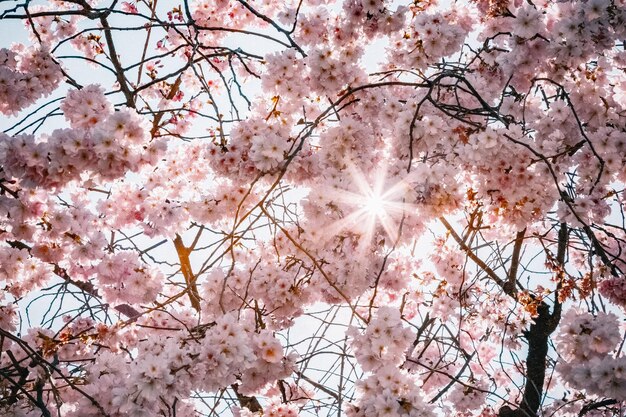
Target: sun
[371,203]
[374,205]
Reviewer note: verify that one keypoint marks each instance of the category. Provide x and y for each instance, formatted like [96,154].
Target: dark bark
[595,405]
[538,336]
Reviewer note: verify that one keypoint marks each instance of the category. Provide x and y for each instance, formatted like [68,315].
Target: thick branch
[595,405]
[517,249]
[251,403]
[185,268]
[537,336]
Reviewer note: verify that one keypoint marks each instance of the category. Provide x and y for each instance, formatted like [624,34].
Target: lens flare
[375,205]
[372,204]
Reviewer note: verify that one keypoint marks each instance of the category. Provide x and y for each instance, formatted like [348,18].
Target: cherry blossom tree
[313,208]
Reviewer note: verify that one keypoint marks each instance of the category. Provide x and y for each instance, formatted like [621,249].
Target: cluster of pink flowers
[26,74]
[123,278]
[384,342]
[380,350]
[436,190]
[253,147]
[103,146]
[432,36]
[21,272]
[371,17]
[503,182]
[587,343]
[465,398]
[47,28]
[282,72]
[166,364]
[332,70]
[389,392]
[86,108]
[271,364]
[280,287]
[614,288]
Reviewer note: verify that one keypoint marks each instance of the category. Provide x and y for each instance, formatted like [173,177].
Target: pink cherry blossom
[318,207]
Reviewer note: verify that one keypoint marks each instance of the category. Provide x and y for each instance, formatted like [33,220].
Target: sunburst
[374,203]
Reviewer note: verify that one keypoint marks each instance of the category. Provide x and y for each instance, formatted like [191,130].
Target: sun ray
[369,204]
